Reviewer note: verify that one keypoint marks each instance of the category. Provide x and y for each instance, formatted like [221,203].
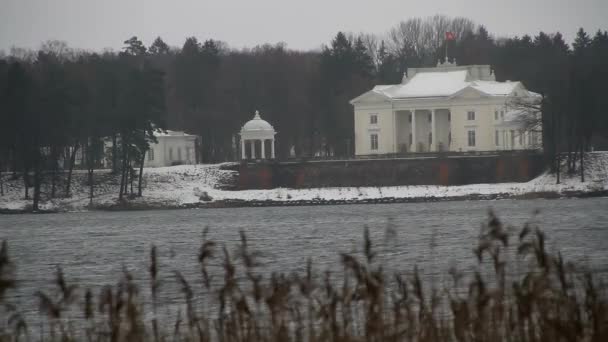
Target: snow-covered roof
[169,133]
[430,84]
[443,82]
[494,88]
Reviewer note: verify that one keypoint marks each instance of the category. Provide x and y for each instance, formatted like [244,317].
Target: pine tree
[159,47]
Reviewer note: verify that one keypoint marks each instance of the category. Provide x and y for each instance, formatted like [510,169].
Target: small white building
[257,139]
[445,108]
[172,148]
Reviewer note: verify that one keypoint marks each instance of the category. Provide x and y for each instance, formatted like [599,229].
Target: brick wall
[452,170]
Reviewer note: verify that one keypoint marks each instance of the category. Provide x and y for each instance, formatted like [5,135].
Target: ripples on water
[94,247]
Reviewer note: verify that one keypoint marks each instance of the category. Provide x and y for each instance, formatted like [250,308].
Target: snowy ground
[182,186]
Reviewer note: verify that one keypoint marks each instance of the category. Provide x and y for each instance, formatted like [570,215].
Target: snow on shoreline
[181,186]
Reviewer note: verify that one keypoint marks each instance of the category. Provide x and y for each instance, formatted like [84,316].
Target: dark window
[471,115]
[471,136]
[373,119]
[374,141]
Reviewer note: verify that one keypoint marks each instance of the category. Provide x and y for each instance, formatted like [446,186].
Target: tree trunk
[36,201]
[114,155]
[123,171]
[25,181]
[582,163]
[91,185]
[131,176]
[1,183]
[122,181]
[54,159]
[14,161]
[71,168]
[141,173]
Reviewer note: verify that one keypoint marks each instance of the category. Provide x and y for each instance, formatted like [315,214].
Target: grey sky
[303,24]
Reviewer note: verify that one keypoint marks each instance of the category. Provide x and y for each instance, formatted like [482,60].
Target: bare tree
[416,40]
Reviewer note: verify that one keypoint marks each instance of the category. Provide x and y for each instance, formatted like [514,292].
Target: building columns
[272,148]
[262,141]
[243,154]
[395,130]
[414,146]
[252,147]
[433,146]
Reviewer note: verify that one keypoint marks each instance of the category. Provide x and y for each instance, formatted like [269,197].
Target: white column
[252,147]
[272,148]
[263,148]
[414,141]
[433,146]
[450,137]
[243,154]
[395,130]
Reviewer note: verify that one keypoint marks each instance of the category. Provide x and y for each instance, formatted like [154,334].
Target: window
[411,138]
[496,116]
[512,138]
[430,138]
[373,119]
[471,136]
[496,138]
[179,153]
[151,154]
[502,114]
[171,153]
[430,117]
[450,138]
[449,116]
[471,115]
[188,153]
[409,118]
[374,142]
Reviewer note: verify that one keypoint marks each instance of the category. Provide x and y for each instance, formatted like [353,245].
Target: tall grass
[518,292]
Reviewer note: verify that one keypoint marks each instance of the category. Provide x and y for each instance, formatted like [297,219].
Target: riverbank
[205,186]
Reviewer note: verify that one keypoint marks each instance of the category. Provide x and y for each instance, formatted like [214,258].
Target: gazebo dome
[257,124]
[257,132]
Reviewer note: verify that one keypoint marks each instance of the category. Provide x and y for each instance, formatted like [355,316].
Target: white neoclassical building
[172,148]
[445,108]
[257,139]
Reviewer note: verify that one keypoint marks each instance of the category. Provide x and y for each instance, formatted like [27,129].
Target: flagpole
[446,51]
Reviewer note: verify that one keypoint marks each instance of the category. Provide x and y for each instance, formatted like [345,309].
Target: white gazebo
[257,132]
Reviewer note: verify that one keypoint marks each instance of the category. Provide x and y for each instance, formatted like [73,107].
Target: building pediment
[370,97]
[468,93]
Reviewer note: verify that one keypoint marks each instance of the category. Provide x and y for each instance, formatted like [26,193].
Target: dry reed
[547,299]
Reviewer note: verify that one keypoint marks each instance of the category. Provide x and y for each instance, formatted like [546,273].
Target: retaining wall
[434,170]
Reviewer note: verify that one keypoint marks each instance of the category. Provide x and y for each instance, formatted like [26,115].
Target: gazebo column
[433,146]
[414,141]
[262,141]
[252,147]
[272,148]
[243,154]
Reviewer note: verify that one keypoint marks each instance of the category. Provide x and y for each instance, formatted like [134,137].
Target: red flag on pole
[450,36]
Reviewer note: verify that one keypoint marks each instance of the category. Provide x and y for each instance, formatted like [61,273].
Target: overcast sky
[302,24]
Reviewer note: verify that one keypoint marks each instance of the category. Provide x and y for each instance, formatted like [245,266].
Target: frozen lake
[93,247]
